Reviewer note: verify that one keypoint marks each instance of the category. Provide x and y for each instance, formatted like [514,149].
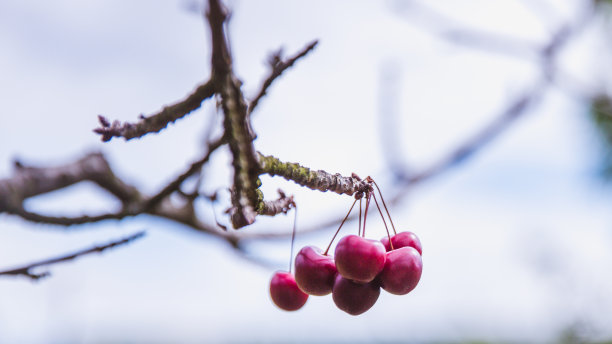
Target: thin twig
[278,206]
[69,220]
[27,269]
[158,121]
[278,66]
[193,169]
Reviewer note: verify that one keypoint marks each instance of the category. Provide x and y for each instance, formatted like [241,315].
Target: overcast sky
[516,240]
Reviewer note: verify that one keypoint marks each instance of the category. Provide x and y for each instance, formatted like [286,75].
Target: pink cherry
[359,259]
[354,298]
[314,271]
[402,271]
[403,239]
[285,292]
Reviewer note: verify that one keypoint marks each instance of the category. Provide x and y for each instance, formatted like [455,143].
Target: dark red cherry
[285,292]
[402,271]
[314,271]
[354,298]
[403,239]
[359,259]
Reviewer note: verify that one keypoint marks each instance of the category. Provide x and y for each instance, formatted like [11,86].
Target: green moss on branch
[316,180]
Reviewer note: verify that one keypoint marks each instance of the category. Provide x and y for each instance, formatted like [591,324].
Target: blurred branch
[389,115]
[27,269]
[480,139]
[601,116]
[447,28]
[278,65]
[32,181]
[194,168]
[451,30]
[158,121]
[548,54]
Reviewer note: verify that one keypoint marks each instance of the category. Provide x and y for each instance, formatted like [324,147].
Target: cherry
[354,298]
[285,292]
[359,259]
[403,239]
[314,271]
[402,271]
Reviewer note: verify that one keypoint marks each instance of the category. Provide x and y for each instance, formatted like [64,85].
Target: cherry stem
[359,228]
[385,205]
[365,215]
[384,222]
[293,236]
[337,231]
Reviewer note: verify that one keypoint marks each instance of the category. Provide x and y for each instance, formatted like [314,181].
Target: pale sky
[516,240]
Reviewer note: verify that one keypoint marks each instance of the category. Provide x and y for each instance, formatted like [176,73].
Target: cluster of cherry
[354,276]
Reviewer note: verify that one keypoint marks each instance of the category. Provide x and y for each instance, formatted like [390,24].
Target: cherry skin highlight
[359,259]
[403,239]
[314,271]
[354,298]
[285,292]
[402,271]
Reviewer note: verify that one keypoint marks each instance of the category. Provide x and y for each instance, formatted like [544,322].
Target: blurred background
[506,104]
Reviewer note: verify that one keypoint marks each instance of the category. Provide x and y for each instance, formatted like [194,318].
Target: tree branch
[479,140]
[277,206]
[278,66]
[155,123]
[315,180]
[32,181]
[547,53]
[193,169]
[451,30]
[26,270]
[238,131]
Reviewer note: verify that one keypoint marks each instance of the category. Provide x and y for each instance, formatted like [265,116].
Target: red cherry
[314,271]
[354,298]
[285,292]
[403,239]
[402,271]
[359,259]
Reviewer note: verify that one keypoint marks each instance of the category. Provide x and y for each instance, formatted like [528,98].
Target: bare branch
[479,140]
[32,181]
[316,180]
[547,53]
[278,66]
[69,221]
[158,121]
[238,131]
[453,31]
[278,206]
[27,270]
[193,169]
